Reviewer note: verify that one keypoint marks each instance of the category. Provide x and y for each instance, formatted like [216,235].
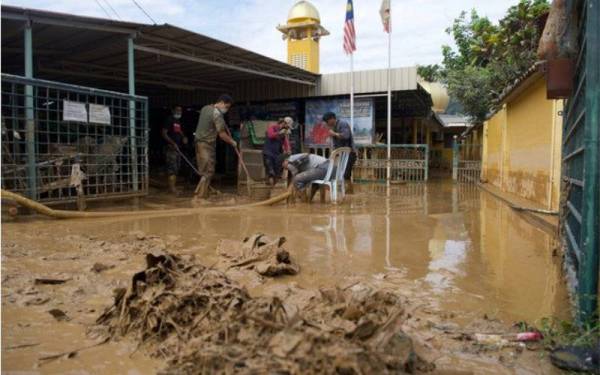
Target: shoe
[172,181]
[577,358]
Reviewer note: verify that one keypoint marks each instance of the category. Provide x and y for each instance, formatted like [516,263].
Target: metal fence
[66,143]
[409,163]
[466,162]
[580,194]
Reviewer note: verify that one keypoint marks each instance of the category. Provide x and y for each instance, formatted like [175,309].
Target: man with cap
[341,136]
[211,124]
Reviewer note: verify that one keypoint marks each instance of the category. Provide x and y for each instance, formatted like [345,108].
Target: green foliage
[430,73]
[472,87]
[559,333]
[488,57]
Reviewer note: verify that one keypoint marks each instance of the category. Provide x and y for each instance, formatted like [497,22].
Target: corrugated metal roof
[94,50]
[454,121]
[367,81]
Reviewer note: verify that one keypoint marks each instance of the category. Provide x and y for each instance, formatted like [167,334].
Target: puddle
[461,248]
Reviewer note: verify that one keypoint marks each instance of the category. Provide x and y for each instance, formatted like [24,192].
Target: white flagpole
[389,102]
[352,92]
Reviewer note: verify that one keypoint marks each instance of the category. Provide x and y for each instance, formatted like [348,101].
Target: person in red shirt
[276,145]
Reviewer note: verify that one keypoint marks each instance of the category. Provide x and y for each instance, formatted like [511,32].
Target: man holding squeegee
[210,125]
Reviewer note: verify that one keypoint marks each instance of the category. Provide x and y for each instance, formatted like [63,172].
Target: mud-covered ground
[461,262]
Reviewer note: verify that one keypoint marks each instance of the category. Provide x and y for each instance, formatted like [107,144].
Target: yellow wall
[308,48]
[513,254]
[493,148]
[522,144]
[304,47]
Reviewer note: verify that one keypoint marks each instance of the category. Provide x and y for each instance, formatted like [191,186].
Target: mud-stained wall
[522,146]
[514,253]
[492,148]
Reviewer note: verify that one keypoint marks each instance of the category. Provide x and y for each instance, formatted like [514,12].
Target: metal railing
[65,143]
[466,162]
[580,192]
[409,163]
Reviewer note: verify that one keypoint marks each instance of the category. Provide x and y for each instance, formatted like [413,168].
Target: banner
[317,132]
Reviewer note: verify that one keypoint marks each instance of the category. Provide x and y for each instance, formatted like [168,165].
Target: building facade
[521,143]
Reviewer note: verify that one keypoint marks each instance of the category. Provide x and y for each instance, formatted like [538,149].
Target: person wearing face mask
[210,125]
[172,133]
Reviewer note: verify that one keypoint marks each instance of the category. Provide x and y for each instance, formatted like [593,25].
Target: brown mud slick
[461,261]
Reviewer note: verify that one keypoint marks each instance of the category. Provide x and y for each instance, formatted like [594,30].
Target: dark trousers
[351,161]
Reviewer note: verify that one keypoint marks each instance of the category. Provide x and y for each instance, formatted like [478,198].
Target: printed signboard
[317,133]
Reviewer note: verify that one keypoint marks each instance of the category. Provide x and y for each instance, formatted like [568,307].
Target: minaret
[303,31]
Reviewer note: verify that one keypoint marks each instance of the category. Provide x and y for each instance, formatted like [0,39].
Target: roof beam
[25,16]
[221,64]
[175,45]
[117,75]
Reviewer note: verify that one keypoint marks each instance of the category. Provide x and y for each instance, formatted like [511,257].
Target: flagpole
[389,105]
[352,92]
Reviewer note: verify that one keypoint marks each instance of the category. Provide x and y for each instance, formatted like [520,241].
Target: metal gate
[466,162]
[580,193]
[63,143]
[409,162]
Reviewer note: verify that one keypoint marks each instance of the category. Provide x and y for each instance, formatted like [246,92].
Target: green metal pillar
[590,258]
[132,130]
[455,159]
[29,116]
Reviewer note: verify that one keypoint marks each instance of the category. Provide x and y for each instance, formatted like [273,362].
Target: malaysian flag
[349,33]
[386,16]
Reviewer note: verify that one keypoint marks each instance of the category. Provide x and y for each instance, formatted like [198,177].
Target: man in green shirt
[210,125]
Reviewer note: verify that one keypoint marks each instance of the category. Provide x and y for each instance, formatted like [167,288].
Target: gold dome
[439,95]
[303,9]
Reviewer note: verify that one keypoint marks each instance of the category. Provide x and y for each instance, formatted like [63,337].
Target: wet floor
[468,251]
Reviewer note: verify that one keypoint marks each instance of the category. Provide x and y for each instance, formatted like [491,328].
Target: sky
[418,26]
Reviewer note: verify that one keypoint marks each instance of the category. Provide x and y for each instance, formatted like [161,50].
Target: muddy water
[460,248]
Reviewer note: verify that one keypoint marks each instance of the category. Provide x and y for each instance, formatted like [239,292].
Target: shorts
[206,159]
[273,165]
[173,160]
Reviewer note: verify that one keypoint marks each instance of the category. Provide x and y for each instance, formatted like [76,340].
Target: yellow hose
[66,214]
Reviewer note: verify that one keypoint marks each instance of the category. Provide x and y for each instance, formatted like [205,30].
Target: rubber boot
[203,188]
[173,184]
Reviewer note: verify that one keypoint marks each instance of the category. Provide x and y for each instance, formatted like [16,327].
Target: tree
[489,57]
[430,73]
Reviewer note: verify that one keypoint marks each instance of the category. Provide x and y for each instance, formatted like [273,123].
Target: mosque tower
[303,31]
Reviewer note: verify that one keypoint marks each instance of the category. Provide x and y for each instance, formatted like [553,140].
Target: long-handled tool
[192,166]
[241,160]
[187,161]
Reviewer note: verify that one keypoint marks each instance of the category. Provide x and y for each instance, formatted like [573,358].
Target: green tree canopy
[488,57]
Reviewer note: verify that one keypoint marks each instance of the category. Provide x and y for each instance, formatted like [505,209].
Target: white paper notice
[99,114]
[74,111]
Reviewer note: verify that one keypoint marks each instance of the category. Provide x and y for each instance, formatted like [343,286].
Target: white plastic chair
[338,161]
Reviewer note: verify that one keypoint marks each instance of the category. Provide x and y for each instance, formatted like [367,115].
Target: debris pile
[202,322]
[259,252]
